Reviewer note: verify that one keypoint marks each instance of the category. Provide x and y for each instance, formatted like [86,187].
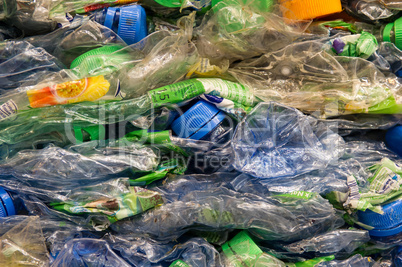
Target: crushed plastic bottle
[200,133]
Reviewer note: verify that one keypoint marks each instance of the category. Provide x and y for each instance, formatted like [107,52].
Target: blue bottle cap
[387,224]
[132,24]
[387,232]
[393,139]
[109,18]
[198,121]
[7,205]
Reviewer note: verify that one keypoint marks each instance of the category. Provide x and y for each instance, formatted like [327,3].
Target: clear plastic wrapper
[274,140]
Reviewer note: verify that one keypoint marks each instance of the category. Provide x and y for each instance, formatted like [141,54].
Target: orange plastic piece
[309,9]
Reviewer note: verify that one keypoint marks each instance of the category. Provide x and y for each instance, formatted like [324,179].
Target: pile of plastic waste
[188,133]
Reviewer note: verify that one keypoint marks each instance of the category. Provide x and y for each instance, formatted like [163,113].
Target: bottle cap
[398,33]
[6,204]
[386,34]
[393,139]
[386,224]
[198,121]
[242,245]
[310,9]
[111,15]
[132,22]
[95,62]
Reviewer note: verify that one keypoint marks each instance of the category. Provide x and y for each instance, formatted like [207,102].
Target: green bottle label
[177,92]
[185,90]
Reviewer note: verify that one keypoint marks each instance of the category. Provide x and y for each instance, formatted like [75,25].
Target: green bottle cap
[88,61]
[398,33]
[243,248]
[386,34]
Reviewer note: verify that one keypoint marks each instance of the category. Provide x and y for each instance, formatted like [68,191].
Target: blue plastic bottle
[129,22]
[387,226]
[203,121]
